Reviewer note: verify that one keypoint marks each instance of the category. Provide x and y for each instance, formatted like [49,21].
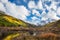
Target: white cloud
[31,5]
[44,16]
[2,8]
[34,11]
[11,8]
[39,6]
[58,11]
[34,18]
[53,5]
[23,12]
[17,11]
[52,15]
[4,1]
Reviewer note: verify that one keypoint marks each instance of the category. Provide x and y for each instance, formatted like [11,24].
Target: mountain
[49,31]
[7,20]
[53,24]
[11,29]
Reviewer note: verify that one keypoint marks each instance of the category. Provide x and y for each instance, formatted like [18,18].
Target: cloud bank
[12,9]
[44,11]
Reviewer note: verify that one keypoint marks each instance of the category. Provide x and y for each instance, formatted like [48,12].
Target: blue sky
[32,11]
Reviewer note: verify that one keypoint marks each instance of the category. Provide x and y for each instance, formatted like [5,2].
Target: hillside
[6,20]
[53,24]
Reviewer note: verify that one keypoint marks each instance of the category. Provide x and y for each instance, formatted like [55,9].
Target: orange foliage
[46,35]
[50,36]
